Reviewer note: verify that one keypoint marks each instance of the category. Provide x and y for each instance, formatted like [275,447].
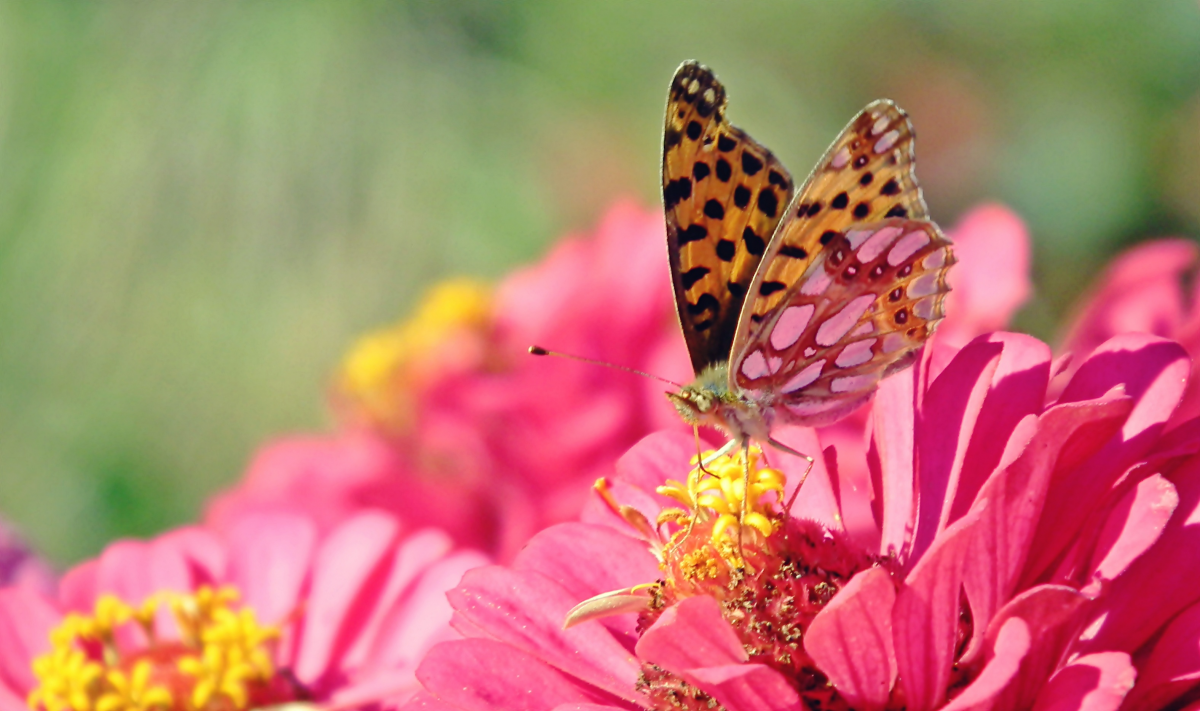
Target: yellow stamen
[379,373]
[719,489]
[226,651]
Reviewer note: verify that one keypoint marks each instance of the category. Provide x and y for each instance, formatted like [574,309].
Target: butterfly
[794,303]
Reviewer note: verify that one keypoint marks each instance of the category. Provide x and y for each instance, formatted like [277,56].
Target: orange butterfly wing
[853,281]
[723,194]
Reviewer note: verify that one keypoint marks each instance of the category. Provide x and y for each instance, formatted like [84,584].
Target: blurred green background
[202,203]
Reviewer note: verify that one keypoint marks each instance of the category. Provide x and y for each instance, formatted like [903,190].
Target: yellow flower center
[379,374]
[114,660]
[718,490]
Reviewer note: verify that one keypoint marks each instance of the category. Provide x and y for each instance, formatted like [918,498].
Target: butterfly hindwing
[867,174]
[724,194]
[870,299]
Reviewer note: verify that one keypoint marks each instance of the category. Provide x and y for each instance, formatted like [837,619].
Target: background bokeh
[202,203]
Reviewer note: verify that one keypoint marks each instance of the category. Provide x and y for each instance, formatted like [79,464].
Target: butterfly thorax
[708,402]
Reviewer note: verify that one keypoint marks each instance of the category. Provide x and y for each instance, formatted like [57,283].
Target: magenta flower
[449,419]
[269,613]
[1142,291]
[1006,554]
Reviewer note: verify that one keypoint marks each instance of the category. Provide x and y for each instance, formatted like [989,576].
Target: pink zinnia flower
[271,612]
[1142,291]
[450,420]
[995,573]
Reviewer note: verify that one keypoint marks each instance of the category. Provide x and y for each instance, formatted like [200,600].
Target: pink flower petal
[1139,292]
[991,280]
[482,675]
[26,619]
[1128,622]
[135,570]
[556,552]
[1017,389]
[346,563]
[1154,373]
[1173,666]
[1132,527]
[1011,502]
[948,417]
[892,459]
[410,559]
[1052,614]
[691,634]
[1095,682]
[526,610]
[819,500]
[421,618]
[851,639]
[747,687]
[925,617]
[10,700]
[658,456]
[1011,646]
[269,562]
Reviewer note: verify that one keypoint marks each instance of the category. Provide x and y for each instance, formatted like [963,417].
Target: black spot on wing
[724,170]
[693,233]
[776,178]
[861,210]
[693,275]
[750,163]
[768,202]
[714,209]
[694,130]
[828,236]
[677,190]
[840,201]
[866,179]
[770,287]
[741,196]
[861,161]
[891,187]
[671,138]
[814,208]
[726,250]
[788,250]
[700,170]
[706,302]
[897,211]
[754,244]
[726,144]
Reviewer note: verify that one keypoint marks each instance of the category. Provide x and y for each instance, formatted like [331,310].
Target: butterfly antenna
[539,351]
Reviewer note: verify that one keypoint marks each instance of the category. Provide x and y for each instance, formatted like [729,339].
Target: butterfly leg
[694,479]
[784,448]
[745,496]
[699,453]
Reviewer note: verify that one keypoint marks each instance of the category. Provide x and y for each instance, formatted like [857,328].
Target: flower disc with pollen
[116,660]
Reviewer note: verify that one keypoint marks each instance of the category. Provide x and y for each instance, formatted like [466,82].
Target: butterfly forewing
[724,195]
[868,174]
[871,298]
